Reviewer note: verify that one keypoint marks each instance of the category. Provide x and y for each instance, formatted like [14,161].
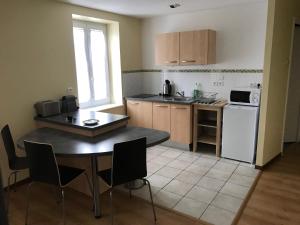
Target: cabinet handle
[162,106]
[179,108]
[134,103]
[174,61]
[188,61]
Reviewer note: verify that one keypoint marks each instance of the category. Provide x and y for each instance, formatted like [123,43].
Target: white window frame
[87,26]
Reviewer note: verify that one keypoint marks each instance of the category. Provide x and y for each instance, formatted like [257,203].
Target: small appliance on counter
[47,108]
[167,88]
[68,104]
[240,122]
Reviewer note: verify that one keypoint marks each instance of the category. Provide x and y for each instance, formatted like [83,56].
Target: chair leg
[149,186]
[63,206]
[8,191]
[28,200]
[111,206]
[15,181]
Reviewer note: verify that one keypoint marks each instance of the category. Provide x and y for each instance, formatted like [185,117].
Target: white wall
[241,31]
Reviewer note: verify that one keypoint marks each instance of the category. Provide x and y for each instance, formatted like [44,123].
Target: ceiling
[150,8]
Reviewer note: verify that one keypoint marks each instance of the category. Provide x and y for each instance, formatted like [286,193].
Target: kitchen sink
[179,99]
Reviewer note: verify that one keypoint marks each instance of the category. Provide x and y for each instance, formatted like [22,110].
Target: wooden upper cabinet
[167,49]
[198,47]
[186,48]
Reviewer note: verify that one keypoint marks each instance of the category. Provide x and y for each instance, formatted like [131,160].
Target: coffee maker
[167,88]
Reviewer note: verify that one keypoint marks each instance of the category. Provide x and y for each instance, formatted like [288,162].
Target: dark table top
[105,119]
[69,144]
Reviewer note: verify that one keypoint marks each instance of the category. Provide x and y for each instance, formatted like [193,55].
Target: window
[90,45]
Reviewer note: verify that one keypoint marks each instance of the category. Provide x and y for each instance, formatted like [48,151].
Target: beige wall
[281,14]
[37,57]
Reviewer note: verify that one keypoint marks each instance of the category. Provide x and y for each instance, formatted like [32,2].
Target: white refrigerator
[240,132]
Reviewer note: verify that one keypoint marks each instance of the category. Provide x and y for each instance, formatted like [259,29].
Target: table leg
[96,195]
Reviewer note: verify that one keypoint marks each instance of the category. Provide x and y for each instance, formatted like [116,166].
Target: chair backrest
[129,161]
[3,212]
[9,146]
[42,163]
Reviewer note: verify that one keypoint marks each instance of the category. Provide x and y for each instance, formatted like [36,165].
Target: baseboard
[19,183]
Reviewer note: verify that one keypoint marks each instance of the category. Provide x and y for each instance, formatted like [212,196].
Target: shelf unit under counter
[207,127]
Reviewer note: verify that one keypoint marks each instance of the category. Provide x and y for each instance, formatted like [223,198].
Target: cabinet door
[140,113]
[197,47]
[161,117]
[145,115]
[181,124]
[167,49]
[133,109]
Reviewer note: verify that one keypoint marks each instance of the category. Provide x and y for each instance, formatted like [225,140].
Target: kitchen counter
[164,99]
[107,122]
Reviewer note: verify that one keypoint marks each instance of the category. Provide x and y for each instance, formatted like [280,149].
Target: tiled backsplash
[220,81]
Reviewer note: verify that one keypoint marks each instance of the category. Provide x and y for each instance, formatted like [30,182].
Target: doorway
[292,120]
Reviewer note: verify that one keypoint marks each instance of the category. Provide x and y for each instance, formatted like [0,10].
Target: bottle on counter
[197,93]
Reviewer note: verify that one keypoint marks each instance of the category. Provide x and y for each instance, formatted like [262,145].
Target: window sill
[103,107]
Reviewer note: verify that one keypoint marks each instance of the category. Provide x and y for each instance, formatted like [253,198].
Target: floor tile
[227,202]
[229,161]
[226,167]
[166,199]
[162,160]
[191,207]
[217,216]
[197,169]
[188,177]
[189,157]
[205,162]
[172,153]
[201,194]
[211,183]
[241,180]
[168,172]
[150,156]
[178,187]
[235,190]
[218,174]
[179,164]
[246,171]
[144,192]
[159,181]
[152,167]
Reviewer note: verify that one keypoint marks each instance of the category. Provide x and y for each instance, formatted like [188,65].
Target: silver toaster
[47,108]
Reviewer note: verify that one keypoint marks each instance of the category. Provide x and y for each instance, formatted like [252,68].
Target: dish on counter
[90,122]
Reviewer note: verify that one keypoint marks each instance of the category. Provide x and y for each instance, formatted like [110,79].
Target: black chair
[16,164]
[3,213]
[43,168]
[128,165]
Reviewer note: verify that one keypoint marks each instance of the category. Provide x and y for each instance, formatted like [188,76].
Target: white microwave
[249,97]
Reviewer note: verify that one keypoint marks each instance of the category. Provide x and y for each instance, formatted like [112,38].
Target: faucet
[181,93]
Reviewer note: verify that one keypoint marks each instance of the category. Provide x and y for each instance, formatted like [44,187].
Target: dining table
[68,144]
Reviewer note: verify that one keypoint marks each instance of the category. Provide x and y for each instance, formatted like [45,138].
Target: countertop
[105,119]
[158,98]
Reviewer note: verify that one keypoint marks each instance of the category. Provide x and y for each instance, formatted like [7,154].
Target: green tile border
[196,71]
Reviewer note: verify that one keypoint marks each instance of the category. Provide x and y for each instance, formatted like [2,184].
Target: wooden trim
[79,131]
[245,201]
[19,183]
[268,163]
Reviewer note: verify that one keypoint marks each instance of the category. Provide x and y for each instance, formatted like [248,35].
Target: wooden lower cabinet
[173,118]
[181,123]
[140,113]
[161,117]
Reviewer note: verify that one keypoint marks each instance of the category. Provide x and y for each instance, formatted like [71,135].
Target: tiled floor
[196,184]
